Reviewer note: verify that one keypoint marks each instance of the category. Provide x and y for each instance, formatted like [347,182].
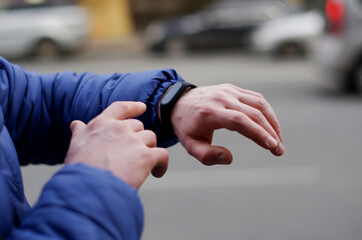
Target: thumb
[76,127]
[208,154]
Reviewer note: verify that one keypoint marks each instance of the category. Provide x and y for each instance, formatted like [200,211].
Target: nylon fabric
[79,202]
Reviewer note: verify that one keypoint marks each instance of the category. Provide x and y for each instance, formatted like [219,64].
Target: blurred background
[304,56]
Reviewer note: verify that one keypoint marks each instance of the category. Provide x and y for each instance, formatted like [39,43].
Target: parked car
[42,30]
[340,51]
[293,35]
[221,24]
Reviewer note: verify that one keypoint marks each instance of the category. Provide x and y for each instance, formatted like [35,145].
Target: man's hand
[114,142]
[200,111]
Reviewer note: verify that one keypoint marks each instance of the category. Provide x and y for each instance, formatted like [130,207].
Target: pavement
[313,192]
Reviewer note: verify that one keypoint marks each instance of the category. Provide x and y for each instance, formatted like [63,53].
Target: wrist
[168,101]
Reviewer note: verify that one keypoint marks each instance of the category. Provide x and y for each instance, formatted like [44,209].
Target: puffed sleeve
[82,202]
[38,108]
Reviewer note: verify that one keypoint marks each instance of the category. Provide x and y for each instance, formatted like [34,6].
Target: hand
[116,143]
[200,111]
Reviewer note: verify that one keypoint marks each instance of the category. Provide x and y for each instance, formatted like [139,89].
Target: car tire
[353,81]
[47,49]
[290,49]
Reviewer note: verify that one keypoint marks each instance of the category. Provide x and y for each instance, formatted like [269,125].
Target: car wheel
[47,49]
[290,50]
[353,81]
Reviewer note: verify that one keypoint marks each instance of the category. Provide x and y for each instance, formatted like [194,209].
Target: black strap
[169,100]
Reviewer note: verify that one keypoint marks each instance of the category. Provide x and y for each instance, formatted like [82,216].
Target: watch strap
[169,100]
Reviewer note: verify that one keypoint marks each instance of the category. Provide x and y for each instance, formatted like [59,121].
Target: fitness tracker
[169,100]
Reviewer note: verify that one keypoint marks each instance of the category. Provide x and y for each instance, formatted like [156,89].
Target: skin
[115,142]
[201,111]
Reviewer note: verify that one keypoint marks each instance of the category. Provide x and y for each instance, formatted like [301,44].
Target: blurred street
[313,192]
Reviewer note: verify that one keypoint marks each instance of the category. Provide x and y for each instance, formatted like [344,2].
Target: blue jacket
[79,202]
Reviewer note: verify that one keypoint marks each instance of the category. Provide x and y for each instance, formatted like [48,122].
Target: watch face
[171,93]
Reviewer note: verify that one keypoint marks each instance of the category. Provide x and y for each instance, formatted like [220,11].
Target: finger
[134,124]
[124,110]
[240,122]
[76,127]
[149,138]
[255,115]
[208,154]
[280,150]
[258,102]
[161,155]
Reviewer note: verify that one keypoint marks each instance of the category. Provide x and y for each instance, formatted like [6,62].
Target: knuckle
[259,95]
[219,96]
[140,123]
[275,123]
[95,122]
[165,153]
[148,158]
[237,118]
[123,106]
[204,111]
[189,146]
[227,86]
[117,125]
[257,116]
[261,104]
[228,89]
[151,134]
[137,123]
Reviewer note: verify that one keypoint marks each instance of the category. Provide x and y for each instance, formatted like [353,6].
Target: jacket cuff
[154,84]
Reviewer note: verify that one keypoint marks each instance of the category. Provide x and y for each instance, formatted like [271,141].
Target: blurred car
[221,24]
[45,30]
[339,53]
[292,35]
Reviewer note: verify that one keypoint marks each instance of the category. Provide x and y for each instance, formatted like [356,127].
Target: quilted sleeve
[82,202]
[39,108]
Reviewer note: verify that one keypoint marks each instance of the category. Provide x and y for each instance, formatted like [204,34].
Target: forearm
[81,202]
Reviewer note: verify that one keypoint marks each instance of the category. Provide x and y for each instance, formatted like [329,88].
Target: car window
[247,14]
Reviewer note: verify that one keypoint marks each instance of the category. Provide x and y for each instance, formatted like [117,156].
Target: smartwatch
[169,100]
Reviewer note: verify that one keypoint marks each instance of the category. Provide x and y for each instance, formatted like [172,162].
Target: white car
[222,24]
[291,35]
[44,31]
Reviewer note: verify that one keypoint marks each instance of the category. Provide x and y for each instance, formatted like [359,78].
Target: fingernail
[271,142]
[280,149]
